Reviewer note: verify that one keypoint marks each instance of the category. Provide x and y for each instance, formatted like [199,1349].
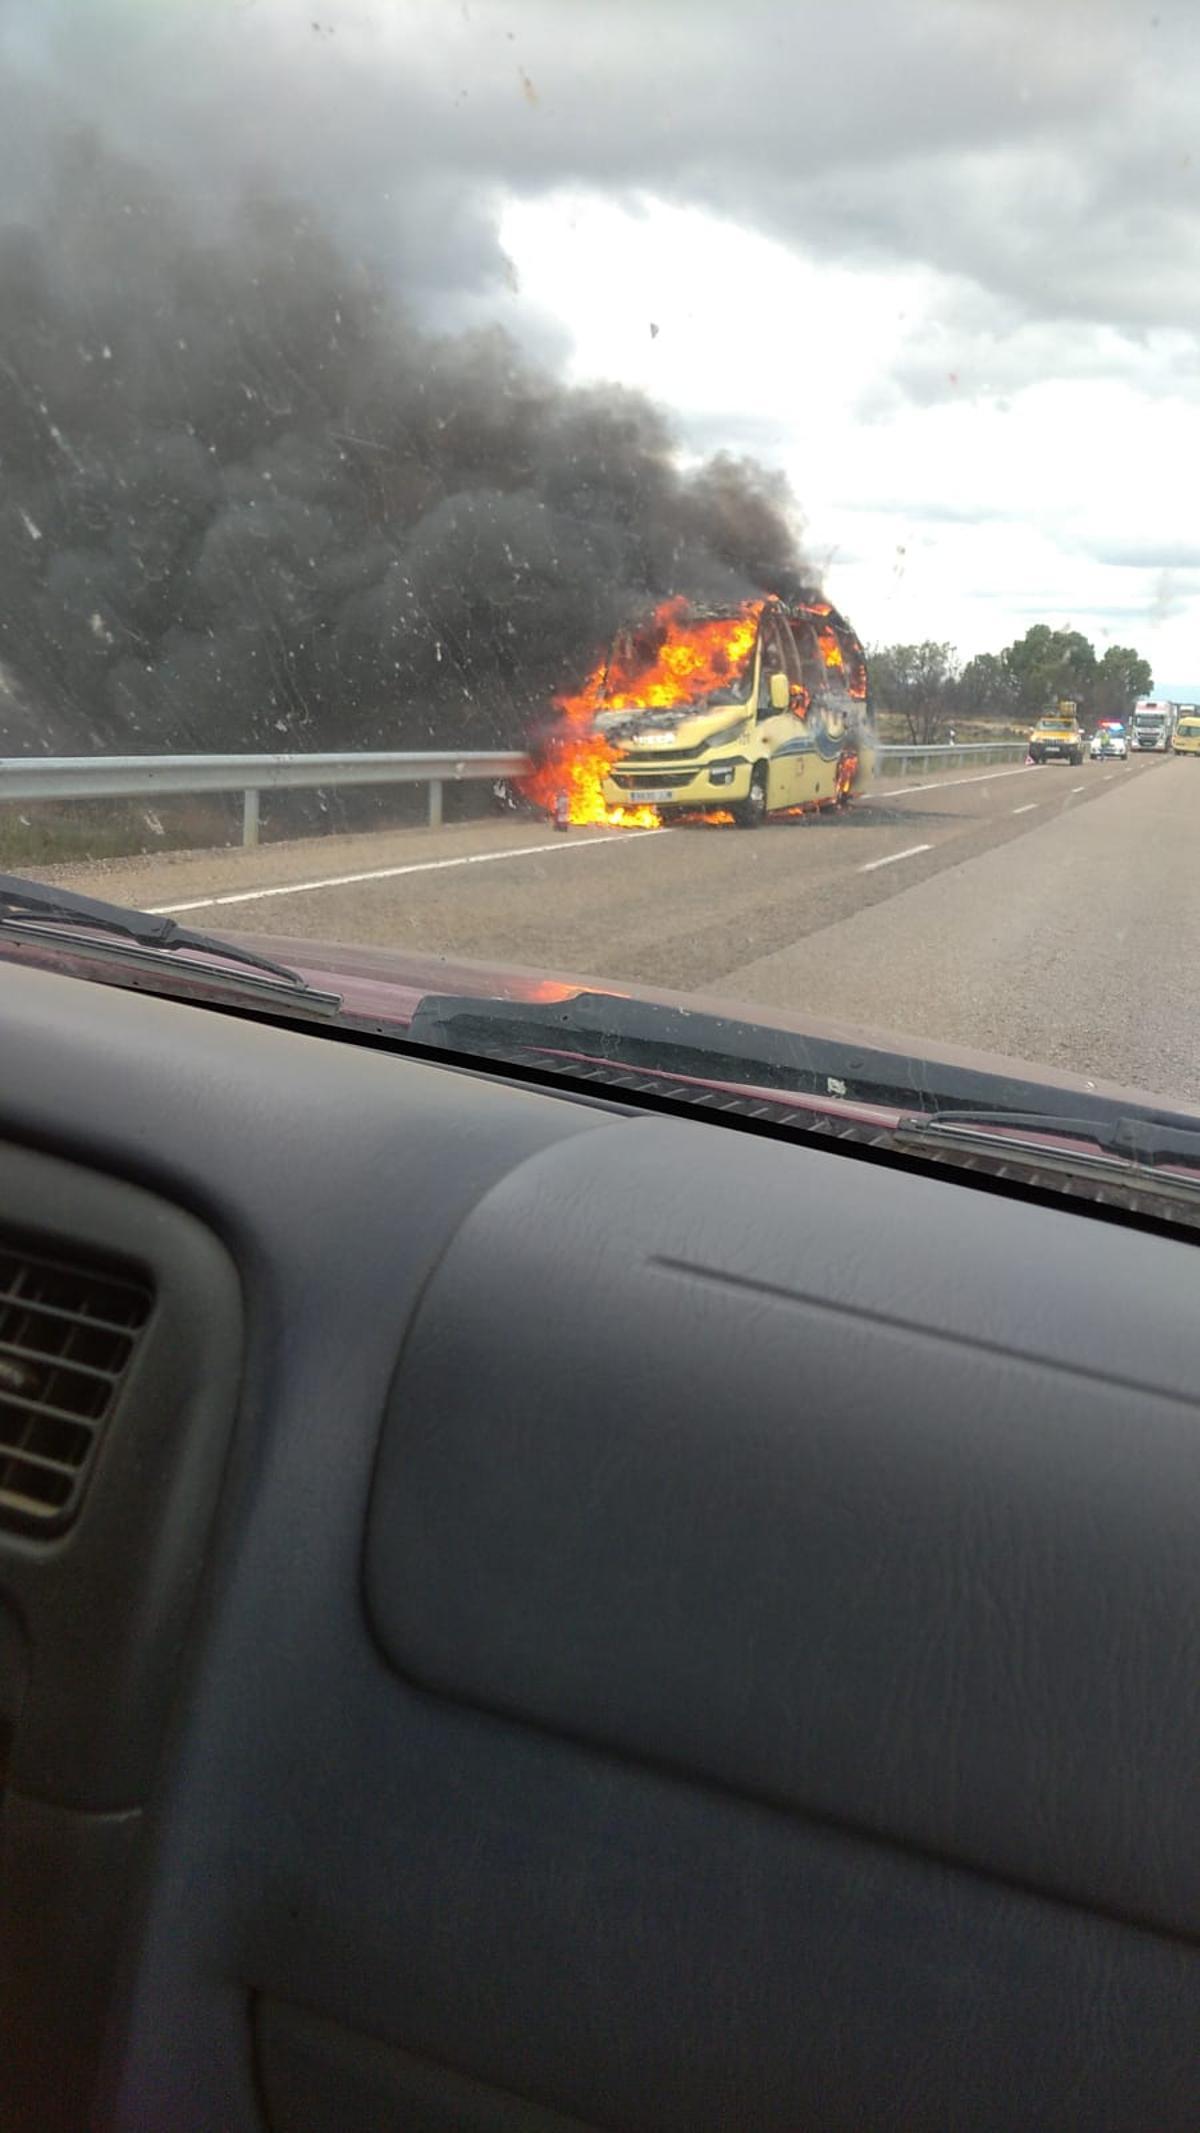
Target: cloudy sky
[939,260]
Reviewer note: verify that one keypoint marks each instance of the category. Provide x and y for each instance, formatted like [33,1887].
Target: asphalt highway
[1049,913]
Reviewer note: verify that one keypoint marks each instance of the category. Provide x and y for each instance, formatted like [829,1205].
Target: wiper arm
[1138,1140]
[959,1105]
[34,909]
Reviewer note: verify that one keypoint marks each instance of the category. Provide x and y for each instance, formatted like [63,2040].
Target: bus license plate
[643,795]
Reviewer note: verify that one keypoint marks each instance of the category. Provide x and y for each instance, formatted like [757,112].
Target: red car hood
[381,988]
[385,985]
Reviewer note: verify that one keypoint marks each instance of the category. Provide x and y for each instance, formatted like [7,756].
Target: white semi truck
[1153,724]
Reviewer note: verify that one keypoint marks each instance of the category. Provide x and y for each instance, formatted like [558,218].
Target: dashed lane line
[978,777]
[892,857]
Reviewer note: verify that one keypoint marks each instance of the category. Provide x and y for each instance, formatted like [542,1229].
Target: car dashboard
[522,1610]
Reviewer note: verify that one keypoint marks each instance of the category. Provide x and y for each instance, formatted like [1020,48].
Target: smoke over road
[247,502]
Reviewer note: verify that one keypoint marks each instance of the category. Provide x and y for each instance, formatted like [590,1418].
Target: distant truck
[1152,726]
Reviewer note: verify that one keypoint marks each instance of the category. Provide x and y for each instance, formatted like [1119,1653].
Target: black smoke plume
[246,503]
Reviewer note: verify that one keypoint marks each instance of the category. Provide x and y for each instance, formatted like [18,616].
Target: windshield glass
[415,548]
[678,658]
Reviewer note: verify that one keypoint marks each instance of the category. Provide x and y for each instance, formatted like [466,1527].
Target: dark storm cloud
[1043,151]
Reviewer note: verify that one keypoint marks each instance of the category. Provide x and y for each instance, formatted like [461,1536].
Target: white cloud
[1007,496]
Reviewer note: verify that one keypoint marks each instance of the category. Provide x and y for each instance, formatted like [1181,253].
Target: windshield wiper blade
[35,909]
[1144,1141]
[957,1104]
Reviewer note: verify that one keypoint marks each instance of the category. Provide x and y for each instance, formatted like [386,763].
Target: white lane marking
[1027,809]
[1079,788]
[892,857]
[469,859]
[421,866]
[979,777]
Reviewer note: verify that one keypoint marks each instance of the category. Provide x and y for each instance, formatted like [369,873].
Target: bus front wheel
[752,812]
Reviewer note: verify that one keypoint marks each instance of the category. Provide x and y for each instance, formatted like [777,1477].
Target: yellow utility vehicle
[1058,736]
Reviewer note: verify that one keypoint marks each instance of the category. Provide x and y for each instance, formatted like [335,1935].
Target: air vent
[68,1332]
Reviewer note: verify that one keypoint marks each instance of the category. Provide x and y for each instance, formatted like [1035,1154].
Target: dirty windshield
[504,499]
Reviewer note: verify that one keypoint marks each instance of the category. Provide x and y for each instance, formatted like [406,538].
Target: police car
[1109,740]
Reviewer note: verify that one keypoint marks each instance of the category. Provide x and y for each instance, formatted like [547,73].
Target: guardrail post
[435,803]
[250,816]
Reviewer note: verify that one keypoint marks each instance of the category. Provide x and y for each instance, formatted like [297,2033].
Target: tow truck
[1057,736]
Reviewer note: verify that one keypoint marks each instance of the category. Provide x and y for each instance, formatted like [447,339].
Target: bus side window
[772,662]
[796,684]
[812,666]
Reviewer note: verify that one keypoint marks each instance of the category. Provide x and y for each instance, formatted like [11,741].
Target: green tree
[1047,664]
[986,689]
[918,681]
[928,687]
[1121,677]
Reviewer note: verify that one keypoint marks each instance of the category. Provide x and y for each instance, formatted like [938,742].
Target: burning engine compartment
[727,714]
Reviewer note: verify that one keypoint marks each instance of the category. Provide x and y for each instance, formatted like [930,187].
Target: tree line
[929,687]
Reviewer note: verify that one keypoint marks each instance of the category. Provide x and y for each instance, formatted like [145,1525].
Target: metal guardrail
[902,756]
[146,777]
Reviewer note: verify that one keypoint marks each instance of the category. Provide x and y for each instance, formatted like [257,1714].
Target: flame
[853,668]
[668,661]
[577,769]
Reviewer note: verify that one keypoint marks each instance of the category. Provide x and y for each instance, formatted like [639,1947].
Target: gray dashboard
[667,1628]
